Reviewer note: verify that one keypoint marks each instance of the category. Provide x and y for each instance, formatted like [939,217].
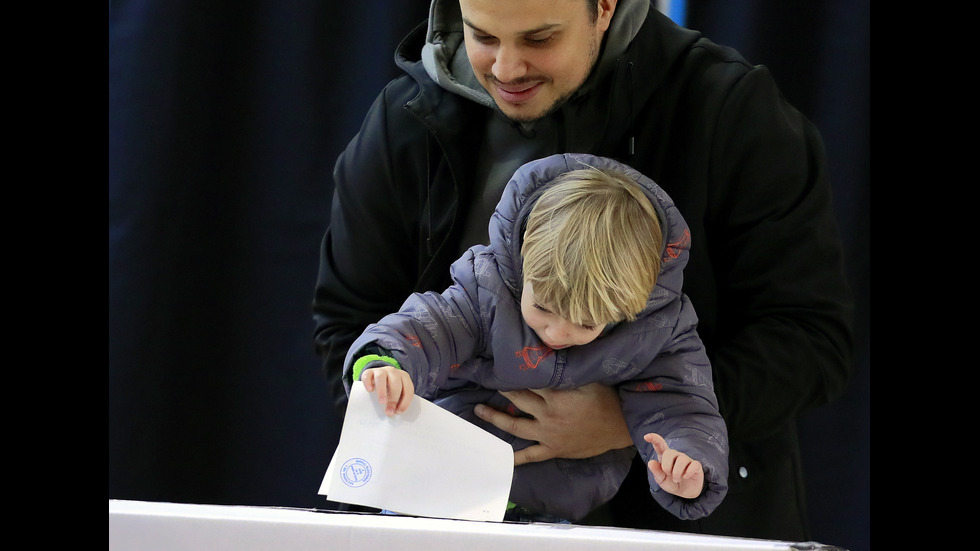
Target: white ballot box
[150,526]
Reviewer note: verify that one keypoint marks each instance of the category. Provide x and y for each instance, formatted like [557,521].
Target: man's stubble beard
[560,100]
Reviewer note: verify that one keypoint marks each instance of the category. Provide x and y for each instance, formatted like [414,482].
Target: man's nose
[509,64]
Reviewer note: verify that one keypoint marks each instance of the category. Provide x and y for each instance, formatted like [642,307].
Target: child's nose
[558,332]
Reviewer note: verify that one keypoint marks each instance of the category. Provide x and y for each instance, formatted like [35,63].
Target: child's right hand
[675,472]
[395,387]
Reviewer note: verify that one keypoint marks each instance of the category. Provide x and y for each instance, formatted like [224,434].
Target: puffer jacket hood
[532,179]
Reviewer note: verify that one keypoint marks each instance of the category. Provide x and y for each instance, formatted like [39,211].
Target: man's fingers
[529,401]
[532,454]
[508,423]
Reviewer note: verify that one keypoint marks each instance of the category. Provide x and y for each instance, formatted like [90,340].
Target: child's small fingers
[381,382]
[668,461]
[368,379]
[659,444]
[657,469]
[399,393]
[394,388]
[681,465]
[403,404]
[408,392]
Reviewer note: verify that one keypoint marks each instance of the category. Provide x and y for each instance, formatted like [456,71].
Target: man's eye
[483,38]
[588,327]
[540,40]
[542,308]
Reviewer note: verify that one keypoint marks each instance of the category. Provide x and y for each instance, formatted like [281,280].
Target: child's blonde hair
[592,247]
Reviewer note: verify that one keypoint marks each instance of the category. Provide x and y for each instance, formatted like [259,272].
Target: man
[491,84]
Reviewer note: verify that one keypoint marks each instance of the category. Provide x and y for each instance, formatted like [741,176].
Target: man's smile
[517,92]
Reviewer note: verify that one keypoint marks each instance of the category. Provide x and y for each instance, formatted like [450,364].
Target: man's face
[531,55]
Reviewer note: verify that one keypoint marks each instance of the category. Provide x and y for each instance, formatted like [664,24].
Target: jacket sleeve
[368,262]
[783,332]
[674,397]
[429,336]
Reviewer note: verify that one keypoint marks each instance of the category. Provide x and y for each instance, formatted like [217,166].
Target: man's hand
[571,424]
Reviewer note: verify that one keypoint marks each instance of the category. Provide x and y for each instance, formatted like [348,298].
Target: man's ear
[604,16]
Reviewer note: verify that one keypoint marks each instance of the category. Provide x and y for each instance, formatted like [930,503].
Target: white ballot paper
[424,462]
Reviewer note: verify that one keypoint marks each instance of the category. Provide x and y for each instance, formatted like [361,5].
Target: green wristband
[363,362]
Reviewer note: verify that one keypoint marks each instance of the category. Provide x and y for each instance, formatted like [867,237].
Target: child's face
[556,332]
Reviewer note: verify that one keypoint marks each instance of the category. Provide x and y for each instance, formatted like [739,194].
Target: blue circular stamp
[355,472]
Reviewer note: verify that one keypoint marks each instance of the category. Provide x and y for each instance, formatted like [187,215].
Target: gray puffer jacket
[463,345]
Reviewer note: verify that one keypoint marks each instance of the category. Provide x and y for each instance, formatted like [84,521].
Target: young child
[581,283]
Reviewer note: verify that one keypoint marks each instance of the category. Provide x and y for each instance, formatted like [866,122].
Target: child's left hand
[676,473]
